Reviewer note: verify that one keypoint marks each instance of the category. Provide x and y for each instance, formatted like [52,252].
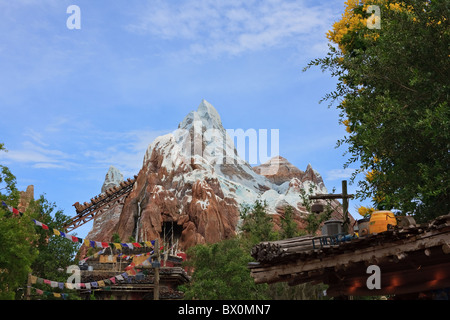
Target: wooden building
[133,279]
[411,262]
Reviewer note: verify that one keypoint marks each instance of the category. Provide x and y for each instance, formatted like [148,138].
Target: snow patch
[203,203]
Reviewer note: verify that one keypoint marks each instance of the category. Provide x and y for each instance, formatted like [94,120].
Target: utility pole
[156,265]
[344,196]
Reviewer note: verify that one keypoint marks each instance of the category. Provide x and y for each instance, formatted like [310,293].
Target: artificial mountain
[192,184]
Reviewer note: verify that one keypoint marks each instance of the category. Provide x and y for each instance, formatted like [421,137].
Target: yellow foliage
[372,36]
[370,175]
[346,122]
[400,7]
[349,22]
[352,21]
[395,6]
[379,198]
[364,211]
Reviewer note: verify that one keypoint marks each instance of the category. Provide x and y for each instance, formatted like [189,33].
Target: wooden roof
[411,260]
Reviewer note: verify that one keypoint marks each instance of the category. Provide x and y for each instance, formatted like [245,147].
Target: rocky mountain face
[192,184]
[25,198]
[113,178]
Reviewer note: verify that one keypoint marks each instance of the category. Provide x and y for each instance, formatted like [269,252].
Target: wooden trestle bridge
[87,211]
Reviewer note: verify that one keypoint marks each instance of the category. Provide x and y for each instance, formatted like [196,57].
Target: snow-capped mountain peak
[194,178]
[206,116]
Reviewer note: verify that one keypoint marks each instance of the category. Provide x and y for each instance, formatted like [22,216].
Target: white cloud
[48,147]
[47,165]
[35,136]
[124,150]
[338,174]
[233,27]
[37,156]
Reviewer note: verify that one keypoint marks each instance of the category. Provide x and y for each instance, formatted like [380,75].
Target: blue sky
[74,102]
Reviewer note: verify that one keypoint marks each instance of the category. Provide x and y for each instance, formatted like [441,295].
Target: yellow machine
[381,221]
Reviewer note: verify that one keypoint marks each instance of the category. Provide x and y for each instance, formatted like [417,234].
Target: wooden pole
[156,271]
[344,196]
[345,206]
[29,286]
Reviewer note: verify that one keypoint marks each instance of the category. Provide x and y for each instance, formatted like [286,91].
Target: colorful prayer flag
[119,277]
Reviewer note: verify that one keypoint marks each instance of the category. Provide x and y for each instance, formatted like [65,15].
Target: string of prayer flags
[120,255]
[12,209]
[42,225]
[96,244]
[81,285]
[48,293]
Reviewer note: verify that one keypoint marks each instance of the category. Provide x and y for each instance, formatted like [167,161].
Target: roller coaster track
[87,211]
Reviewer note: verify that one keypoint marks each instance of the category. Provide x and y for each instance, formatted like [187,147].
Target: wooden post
[345,198]
[29,286]
[156,272]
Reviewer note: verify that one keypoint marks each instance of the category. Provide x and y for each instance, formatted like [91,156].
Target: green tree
[392,92]
[16,237]
[257,224]
[8,190]
[56,253]
[116,237]
[26,249]
[289,228]
[221,272]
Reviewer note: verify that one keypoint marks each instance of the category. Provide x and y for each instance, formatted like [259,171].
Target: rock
[314,177]
[279,170]
[25,198]
[113,178]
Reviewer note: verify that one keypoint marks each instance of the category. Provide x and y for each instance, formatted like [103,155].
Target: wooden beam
[90,212]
